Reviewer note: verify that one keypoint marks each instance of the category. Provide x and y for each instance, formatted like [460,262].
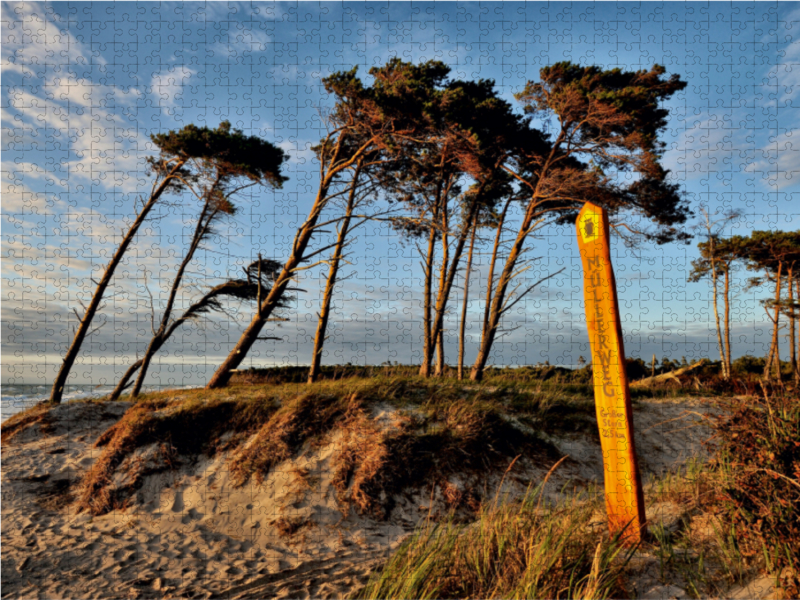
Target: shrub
[759,456]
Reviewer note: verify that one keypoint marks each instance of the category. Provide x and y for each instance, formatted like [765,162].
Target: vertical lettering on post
[623,486]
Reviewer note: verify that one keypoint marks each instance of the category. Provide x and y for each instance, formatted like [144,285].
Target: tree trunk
[447,280]
[437,331]
[792,319]
[495,302]
[462,329]
[324,314]
[727,298]
[476,373]
[123,382]
[715,294]
[57,391]
[427,333]
[302,238]
[207,215]
[774,353]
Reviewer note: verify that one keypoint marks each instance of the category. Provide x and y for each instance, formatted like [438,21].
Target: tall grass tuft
[514,550]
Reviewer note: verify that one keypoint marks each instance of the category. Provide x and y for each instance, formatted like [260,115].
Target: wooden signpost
[623,485]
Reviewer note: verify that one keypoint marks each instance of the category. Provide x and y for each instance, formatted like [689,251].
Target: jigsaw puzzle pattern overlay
[85,85]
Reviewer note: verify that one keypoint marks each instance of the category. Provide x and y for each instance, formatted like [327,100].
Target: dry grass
[374,464]
[302,418]
[172,428]
[21,421]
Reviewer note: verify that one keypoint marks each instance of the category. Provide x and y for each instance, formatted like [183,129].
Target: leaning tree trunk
[774,353]
[727,298]
[324,313]
[448,279]
[462,329]
[123,382]
[207,215]
[301,240]
[57,391]
[496,310]
[427,333]
[792,320]
[715,294]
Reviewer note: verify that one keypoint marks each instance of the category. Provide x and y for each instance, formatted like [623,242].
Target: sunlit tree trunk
[476,374]
[84,325]
[302,239]
[727,299]
[774,352]
[207,215]
[333,271]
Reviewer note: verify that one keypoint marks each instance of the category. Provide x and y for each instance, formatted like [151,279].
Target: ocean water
[17,397]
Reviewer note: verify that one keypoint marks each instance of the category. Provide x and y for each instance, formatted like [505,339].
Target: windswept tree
[717,256]
[170,175]
[444,175]
[361,191]
[259,276]
[363,120]
[237,162]
[772,253]
[601,145]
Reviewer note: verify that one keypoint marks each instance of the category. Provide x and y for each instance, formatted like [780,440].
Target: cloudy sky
[85,84]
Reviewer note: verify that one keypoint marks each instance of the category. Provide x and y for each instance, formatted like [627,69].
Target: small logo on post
[590,227]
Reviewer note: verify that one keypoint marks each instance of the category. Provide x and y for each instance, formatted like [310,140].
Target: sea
[17,397]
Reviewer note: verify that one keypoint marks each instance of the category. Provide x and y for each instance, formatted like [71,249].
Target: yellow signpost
[623,485]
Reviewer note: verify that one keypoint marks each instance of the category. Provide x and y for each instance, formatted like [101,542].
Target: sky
[84,85]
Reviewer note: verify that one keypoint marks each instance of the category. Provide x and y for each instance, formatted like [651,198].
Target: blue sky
[85,84]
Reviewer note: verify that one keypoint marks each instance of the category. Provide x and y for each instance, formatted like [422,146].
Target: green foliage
[609,123]
[231,152]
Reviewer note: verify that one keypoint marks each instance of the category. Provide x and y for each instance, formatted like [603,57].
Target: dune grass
[524,549]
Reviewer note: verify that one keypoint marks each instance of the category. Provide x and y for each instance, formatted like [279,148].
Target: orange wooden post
[623,485]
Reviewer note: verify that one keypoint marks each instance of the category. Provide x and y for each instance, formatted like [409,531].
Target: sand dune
[190,532]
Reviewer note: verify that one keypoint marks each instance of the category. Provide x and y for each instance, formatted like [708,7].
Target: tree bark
[324,314]
[462,329]
[84,325]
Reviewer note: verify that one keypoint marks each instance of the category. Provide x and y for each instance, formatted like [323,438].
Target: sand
[190,533]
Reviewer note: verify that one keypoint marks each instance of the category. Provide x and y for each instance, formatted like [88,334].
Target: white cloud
[168,84]
[780,159]
[33,42]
